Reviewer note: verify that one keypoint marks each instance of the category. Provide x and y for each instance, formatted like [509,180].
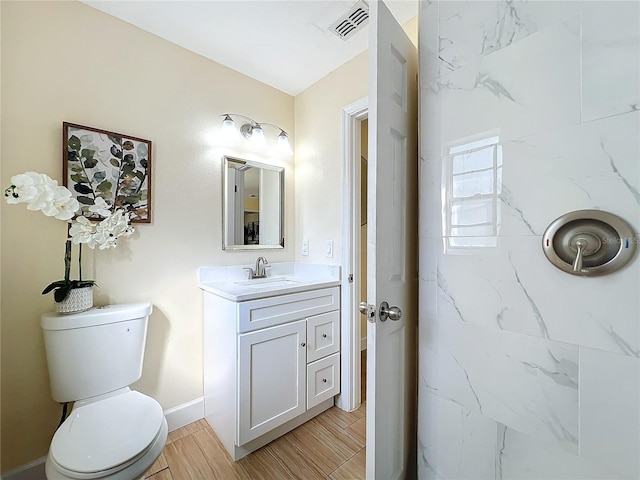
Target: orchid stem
[67,261]
[80,262]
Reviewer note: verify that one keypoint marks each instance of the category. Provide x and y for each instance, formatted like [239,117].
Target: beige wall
[319,162]
[66,61]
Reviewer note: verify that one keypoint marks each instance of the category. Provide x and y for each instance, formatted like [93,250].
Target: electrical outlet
[305,248]
[328,249]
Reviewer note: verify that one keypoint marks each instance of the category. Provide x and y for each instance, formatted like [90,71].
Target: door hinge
[350,278]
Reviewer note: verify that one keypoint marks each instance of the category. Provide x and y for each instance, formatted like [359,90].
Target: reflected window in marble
[471,187]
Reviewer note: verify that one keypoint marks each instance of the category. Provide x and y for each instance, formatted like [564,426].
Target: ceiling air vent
[352,21]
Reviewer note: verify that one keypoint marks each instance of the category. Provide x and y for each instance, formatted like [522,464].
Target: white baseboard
[29,471]
[185,414]
[176,417]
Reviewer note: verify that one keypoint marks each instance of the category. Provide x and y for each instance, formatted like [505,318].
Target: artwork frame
[114,166]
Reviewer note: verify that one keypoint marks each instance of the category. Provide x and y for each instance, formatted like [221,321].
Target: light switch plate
[328,249]
[305,248]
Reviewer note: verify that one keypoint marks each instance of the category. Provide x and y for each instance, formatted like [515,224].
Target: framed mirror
[252,205]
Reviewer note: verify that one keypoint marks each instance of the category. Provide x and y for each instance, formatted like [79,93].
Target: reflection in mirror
[253,205]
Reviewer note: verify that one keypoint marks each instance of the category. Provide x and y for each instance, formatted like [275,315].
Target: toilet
[112,432]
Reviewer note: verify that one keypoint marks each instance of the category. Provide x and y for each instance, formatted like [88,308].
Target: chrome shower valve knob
[589,242]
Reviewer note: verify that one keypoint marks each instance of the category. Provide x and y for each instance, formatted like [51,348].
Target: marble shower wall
[529,110]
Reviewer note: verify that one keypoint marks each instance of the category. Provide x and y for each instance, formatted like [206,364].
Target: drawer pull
[324,335]
[303,344]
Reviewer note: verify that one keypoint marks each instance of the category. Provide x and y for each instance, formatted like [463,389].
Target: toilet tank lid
[96,316]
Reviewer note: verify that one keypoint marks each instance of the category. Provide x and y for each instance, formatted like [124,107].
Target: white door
[392,267]
[272,370]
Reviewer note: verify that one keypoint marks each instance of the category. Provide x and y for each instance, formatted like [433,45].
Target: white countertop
[282,278]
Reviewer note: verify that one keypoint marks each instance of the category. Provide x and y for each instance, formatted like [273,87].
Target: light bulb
[229,132]
[257,139]
[283,148]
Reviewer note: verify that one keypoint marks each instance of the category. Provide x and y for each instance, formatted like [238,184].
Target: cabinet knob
[324,335]
[303,344]
[324,380]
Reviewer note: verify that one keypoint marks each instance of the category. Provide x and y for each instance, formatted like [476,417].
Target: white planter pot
[78,300]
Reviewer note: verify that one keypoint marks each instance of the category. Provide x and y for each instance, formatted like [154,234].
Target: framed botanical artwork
[107,165]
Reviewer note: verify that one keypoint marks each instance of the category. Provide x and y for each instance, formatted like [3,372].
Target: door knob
[392,313]
[368,310]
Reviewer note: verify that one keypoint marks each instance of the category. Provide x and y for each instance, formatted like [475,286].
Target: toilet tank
[95,352]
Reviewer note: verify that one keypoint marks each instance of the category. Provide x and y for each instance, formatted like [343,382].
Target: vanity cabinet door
[271,378]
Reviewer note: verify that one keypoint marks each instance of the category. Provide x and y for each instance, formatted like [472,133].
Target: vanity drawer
[323,335]
[266,312]
[323,380]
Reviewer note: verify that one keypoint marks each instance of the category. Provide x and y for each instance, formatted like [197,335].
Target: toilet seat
[105,436]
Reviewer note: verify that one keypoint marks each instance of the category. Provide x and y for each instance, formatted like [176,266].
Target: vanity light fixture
[254,132]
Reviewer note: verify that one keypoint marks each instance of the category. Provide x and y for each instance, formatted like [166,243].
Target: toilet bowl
[112,432]
[132,432]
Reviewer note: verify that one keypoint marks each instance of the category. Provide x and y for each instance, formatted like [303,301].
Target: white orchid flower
[101,207]
[65,204]
[41,193]
[82,231]
[111,228]
[36,189]
[62,204]
[24,188]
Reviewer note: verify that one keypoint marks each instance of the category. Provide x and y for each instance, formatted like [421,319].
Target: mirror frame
[225,207]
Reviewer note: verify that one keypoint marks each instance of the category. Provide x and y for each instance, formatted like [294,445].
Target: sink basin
[269,282]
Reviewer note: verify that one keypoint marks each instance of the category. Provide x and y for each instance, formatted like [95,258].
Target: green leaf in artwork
[73,156]
[90,162]
[88,154]
[115,162]
[116,140]
[82,188]
[104,186]
[128,168]
[132,199]
[85,200]
[144,163]
[76,168]
[140,175]
[99,176]
[142,150]
[115,151]
[74,143]
[79,178]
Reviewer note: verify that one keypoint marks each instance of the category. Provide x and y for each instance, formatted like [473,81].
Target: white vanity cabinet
[270,364]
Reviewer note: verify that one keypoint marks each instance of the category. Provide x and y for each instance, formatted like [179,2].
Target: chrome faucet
[261,269]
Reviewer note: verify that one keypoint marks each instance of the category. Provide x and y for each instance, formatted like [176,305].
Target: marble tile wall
[526,372]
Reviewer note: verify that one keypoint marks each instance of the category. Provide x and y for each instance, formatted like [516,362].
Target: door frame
[352,116]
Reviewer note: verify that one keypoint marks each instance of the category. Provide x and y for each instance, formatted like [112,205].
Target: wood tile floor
[331,446]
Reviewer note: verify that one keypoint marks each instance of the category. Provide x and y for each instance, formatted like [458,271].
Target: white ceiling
[283,43]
